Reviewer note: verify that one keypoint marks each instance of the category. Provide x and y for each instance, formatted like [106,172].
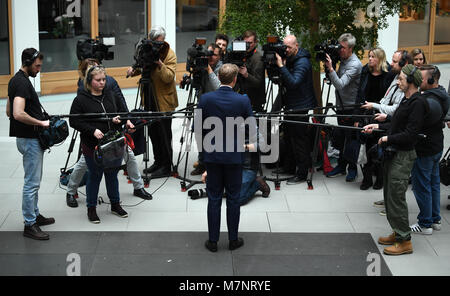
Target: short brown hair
[250,33]
[227,73]
[84,64]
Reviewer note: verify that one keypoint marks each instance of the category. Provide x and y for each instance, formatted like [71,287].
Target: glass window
[4,38]
[125,21]
[414,27]
[442,35]
[61,24]
[195,18]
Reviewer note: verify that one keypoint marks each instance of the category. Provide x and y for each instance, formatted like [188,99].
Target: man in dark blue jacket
[297,92]
[223,152]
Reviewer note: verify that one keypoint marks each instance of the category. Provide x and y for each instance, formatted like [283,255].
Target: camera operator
[297,92]
[212,84]
[222,41]
[399,156]
[26,118]
[425,172]
[163,98]
[95,98]
[251,80]
[80,167]
[346,81]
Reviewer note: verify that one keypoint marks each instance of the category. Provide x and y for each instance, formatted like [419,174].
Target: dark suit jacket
[221,104]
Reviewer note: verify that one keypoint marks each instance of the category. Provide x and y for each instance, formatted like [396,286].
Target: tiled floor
[334,206]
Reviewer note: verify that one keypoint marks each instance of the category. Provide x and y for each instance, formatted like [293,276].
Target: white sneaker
[416,228]
[436,226]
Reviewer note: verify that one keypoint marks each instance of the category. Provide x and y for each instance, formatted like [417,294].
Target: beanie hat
[417,77]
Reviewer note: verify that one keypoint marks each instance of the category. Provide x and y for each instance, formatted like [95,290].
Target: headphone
[30,61]
[410,77]
[89,73]
[431,80]
[404,59]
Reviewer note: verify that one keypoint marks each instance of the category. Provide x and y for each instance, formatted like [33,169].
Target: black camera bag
[444,169]
[56,133]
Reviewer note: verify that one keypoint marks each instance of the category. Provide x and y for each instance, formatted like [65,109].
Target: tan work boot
[387,240]
[399,248]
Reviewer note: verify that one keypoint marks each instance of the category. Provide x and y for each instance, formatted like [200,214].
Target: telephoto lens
[197,193]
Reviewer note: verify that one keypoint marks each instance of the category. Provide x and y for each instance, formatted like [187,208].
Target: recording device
[197,193]
[330,47]
[238,54]
[196,65]
[147,53]
[379,153]
[94,48]
[198,56]
[271,48]
[56,133]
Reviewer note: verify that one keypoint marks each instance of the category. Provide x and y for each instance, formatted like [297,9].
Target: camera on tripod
[330,47]
[147,53]
[94,48]
[238,54]
[271,48]
[196,65]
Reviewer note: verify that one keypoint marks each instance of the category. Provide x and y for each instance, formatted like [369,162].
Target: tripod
[318,134]
[186,134]
[276,106]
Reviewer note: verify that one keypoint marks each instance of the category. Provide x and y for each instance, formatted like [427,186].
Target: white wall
[164,14]
[25,32]
[388,38]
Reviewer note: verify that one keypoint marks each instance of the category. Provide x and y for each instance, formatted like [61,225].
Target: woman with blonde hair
[375,80]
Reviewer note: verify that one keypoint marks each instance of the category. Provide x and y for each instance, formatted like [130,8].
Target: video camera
[93,48]
[271,48]
[238,53]
[330,47]
[197,56]
[147,53]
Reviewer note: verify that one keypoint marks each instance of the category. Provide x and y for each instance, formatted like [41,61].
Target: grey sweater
[346,80]
[391,100]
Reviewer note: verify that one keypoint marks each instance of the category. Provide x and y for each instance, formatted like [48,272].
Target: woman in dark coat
[95,99]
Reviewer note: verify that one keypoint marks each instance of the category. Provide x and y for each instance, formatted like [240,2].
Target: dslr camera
[271,48]
[93,48]
[238,54]
[147,53]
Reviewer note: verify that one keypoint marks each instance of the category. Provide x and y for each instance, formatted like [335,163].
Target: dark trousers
[161,136]
[341,137]
[222,177]
[298,147]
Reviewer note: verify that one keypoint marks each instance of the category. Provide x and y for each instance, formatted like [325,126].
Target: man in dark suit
[223,148]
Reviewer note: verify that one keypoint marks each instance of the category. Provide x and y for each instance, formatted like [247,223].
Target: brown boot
[399,248]
[387,240]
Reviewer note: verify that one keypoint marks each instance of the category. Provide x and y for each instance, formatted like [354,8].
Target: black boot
[35,232]
[379,181]
[367,181]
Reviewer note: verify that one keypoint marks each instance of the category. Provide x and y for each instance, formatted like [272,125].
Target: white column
[25,32]
[388,38]
[164,14]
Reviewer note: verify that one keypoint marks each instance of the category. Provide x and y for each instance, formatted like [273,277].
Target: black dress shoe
[365,185]
[152,168]
[71,201]
[35,232]
[212,246]
[42,221]
[233,245]
[162,172]
[378,184]
[142,194]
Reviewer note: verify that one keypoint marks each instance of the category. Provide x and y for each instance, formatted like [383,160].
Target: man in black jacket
[425,173]
[251,80]
[402,136]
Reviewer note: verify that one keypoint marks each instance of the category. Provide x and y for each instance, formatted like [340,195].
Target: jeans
[426,187]
[32,159]
[81,167]
[249,186]
[95,174]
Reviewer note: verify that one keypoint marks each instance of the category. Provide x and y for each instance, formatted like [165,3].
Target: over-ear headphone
[89,74]
[30,61]
[404,59]
[431,80]
[410,77]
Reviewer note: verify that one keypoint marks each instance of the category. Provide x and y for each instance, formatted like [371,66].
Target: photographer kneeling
[95,99]
[402,136]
